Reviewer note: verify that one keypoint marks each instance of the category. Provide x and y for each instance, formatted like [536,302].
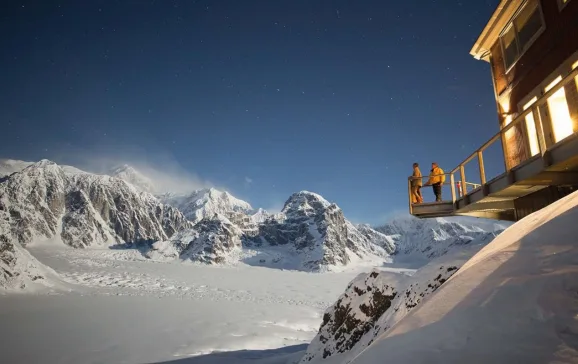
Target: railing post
[571,90]
[463,178]
[453,182]
[546,122]
[409,195]
[539,129]
[505,150]
[482,169]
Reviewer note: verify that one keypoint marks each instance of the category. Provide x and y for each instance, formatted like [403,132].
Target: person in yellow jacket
[416,184]
[436,179]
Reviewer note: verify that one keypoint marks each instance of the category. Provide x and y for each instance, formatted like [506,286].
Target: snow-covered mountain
[373,302]
[309,234]
[206,203]
[9,166]
[260,215]
[44,201]
[214,240]
[431,238]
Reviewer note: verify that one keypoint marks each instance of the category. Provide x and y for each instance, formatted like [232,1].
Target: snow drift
[516,300]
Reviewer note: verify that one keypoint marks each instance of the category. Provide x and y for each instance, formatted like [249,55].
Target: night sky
[263,98]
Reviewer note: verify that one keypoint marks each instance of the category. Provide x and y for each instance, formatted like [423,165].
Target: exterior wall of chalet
[517,77]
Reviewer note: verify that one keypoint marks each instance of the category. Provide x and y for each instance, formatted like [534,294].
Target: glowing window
[559,112]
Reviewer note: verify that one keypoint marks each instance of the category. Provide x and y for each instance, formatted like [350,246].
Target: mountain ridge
[310,233]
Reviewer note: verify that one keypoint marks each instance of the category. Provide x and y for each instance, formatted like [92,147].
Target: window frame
[511,24]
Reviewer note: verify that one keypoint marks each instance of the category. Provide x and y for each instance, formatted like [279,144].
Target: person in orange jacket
[416,184]
[437,178]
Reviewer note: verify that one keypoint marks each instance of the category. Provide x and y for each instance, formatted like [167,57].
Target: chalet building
[532,49]
[531,46]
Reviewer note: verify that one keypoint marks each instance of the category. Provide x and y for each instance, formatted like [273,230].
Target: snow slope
[514,301]
[20,271]
[127,309]
[375,301]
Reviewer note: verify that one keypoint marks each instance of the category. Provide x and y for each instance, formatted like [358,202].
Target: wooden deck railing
[544,134]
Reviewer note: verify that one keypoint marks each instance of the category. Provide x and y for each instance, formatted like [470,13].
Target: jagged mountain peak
[10,166]
[206,202]
[260,215]
[45,163]
[38,173]
[305,201]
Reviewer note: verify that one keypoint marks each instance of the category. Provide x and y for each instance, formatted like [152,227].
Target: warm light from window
[531,129]
[560,115]
[575,65]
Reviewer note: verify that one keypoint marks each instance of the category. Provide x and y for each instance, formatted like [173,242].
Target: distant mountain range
[45,201]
